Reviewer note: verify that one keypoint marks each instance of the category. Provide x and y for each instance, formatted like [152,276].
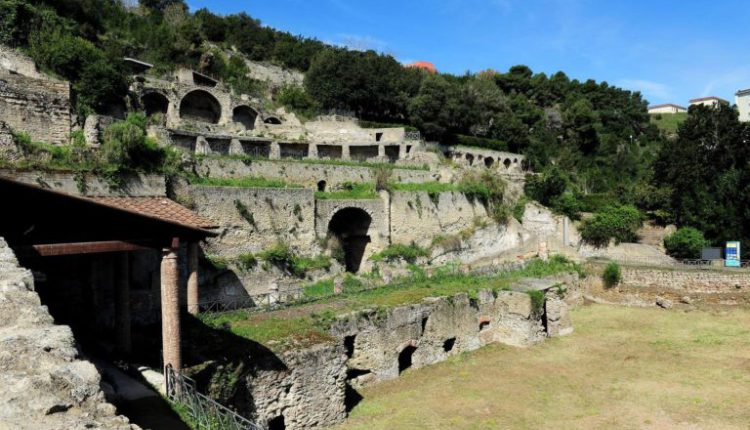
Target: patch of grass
[395,252]
[669,122]
[350,191]
[246,182]
[430,187]
[284,258]
[357,296]
[218,263]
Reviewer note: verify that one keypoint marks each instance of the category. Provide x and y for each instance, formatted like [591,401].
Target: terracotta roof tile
[158,207]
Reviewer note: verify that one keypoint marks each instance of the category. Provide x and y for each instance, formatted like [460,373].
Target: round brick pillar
[192,283]
[170,309]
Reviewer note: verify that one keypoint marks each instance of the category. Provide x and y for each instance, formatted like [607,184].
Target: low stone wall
[88,185]
[307,174]
[687,281]
[45,383]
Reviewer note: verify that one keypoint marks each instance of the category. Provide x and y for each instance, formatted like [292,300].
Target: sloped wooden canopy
[39,221]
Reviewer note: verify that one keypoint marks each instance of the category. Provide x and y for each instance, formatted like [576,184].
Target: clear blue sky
[670,50]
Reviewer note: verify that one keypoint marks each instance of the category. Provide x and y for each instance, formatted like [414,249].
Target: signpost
[732,254]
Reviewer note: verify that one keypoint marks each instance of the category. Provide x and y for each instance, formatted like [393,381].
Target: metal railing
[206,413]
[695,263]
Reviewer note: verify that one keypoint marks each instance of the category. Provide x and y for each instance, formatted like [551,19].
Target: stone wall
[309,386]
[687,281]
[39,107]
[306,174]
[45,383]
[417,216]
[88,185]
[286,215]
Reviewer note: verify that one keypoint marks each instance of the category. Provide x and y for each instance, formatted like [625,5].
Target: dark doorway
[245,116]
[404,358]
[200,106]
[507,163]
[277,423]
[470,159]
[321,186]
[378,136]
[155,103]
[350,226]
[448,344]
[488,162]
[272,120]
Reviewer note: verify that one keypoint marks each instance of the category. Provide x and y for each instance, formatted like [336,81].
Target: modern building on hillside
[708,101]
[666,108]
[742,98]
[423,65]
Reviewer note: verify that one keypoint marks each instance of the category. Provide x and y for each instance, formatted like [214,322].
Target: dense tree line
[591,142]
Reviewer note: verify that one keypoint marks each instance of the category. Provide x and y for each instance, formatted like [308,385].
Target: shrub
[395,252]
[537,301]
[382,178]
[247,261]
[298,101]
[686,242]
[488,189]
[283,257]
[614,222]
[611,275]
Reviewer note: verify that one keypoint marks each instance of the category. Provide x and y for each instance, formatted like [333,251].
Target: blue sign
[732,254]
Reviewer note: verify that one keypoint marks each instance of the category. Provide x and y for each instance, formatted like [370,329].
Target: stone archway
[201,106]
[155,103]
[245,115]
[351,226]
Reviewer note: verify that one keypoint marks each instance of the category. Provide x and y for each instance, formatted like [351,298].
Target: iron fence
[206,413]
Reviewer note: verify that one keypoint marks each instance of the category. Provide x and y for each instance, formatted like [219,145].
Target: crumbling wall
[45,383]
[686,281]
[418,216]
[310,388]
[254,219]
[309,394]
[39,107]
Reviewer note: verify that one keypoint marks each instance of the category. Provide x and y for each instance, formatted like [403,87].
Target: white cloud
[359,42]
[650,89]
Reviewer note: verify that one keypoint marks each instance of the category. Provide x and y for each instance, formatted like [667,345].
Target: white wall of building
[742,99]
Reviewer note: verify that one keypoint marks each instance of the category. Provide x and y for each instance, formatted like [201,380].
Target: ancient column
[381,151]
[312,151]
[401,151]
[345,152]
[170,308]
[192,283]
[122,302]
[274,152]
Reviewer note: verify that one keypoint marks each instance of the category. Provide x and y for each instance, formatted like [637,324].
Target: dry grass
[623,368]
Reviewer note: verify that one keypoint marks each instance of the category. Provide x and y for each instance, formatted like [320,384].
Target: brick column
[170,308]
[122,302]
[192,283]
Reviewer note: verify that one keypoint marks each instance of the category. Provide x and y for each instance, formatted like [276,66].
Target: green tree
[686,242]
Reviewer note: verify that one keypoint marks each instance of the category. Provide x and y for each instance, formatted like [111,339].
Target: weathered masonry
[486,158]
[32,102]
[92,255]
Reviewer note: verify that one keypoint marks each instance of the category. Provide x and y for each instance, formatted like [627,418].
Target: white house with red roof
[708,101]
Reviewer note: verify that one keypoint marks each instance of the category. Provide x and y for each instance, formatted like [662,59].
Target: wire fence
[205,413]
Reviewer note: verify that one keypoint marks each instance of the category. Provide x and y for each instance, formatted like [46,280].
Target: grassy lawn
[307,324]
[351,191]
[623,368]
[669,122]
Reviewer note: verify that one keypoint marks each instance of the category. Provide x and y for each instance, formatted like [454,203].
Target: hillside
[668,123]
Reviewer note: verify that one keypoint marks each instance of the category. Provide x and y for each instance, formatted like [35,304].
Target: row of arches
[202,106]
[490,162]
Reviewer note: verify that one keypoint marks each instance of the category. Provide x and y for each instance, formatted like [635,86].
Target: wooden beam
[56,249]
